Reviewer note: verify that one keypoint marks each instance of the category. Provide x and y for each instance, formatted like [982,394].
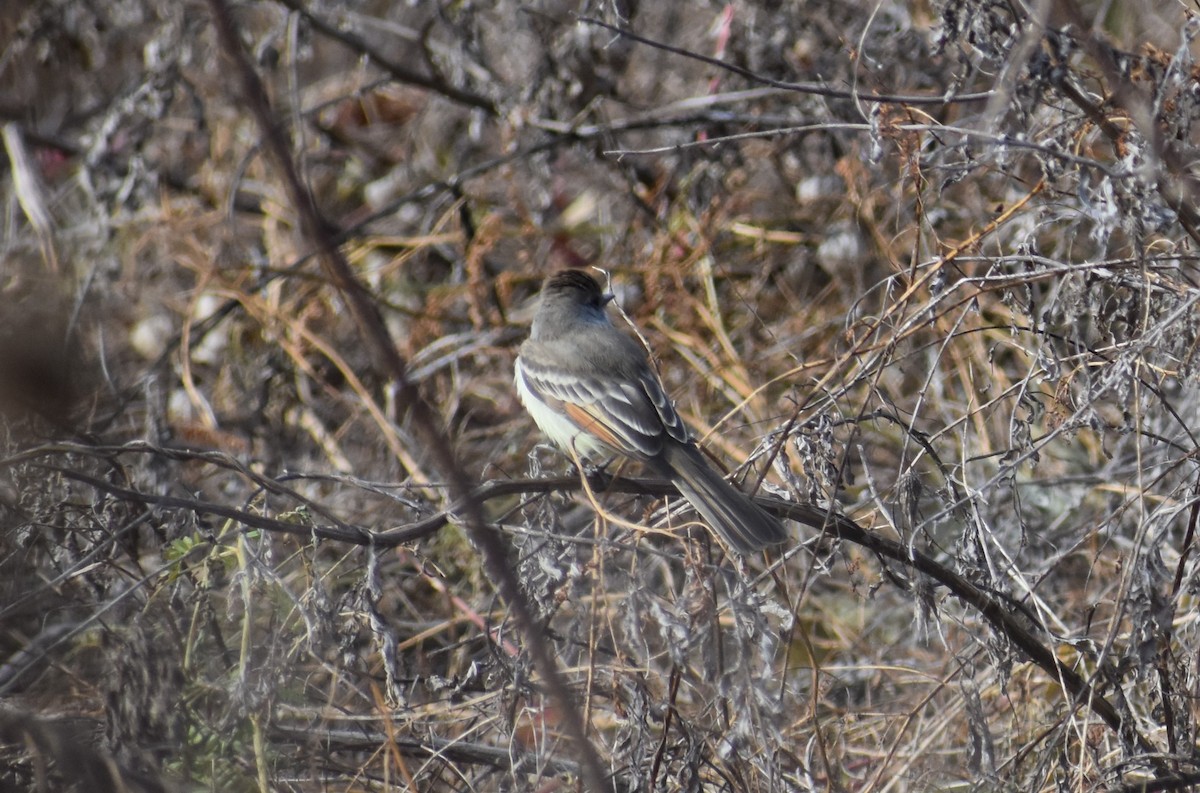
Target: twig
[1172,172]
[817,89]
[398,71]
[506,758]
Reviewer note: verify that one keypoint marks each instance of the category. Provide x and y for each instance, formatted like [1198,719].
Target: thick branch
[391,365]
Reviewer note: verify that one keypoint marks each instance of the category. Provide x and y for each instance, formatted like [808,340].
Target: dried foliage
[924,273]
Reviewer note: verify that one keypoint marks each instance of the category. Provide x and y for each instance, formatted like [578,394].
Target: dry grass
[233,560]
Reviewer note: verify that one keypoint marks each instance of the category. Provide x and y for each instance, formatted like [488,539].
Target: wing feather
[633,417]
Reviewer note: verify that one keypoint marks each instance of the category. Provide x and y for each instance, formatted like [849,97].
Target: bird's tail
[744,525]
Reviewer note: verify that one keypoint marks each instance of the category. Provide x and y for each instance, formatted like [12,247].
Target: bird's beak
[606,298]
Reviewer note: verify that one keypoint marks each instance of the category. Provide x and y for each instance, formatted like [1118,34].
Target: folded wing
[633,417]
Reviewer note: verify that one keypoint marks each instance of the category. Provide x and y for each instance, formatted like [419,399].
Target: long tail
[744,525]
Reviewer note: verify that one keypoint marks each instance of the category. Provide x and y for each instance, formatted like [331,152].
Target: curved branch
[398,71]
[816,89]
[1006,620]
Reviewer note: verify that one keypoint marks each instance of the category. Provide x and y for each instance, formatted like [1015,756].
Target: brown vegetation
[273,518]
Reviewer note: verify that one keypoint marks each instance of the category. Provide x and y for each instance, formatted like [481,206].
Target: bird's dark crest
[574,279]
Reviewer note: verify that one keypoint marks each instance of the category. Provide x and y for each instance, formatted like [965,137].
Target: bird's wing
[633,417]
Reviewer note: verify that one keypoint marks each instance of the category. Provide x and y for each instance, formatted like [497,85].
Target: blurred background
[928,266]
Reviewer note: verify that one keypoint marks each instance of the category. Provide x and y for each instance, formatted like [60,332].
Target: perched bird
[590,388]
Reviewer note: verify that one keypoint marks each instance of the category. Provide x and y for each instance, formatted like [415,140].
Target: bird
[590,389]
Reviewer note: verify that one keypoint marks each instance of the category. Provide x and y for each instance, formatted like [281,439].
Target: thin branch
[398,71]
[1172,172]
[506,758]
[816,89]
